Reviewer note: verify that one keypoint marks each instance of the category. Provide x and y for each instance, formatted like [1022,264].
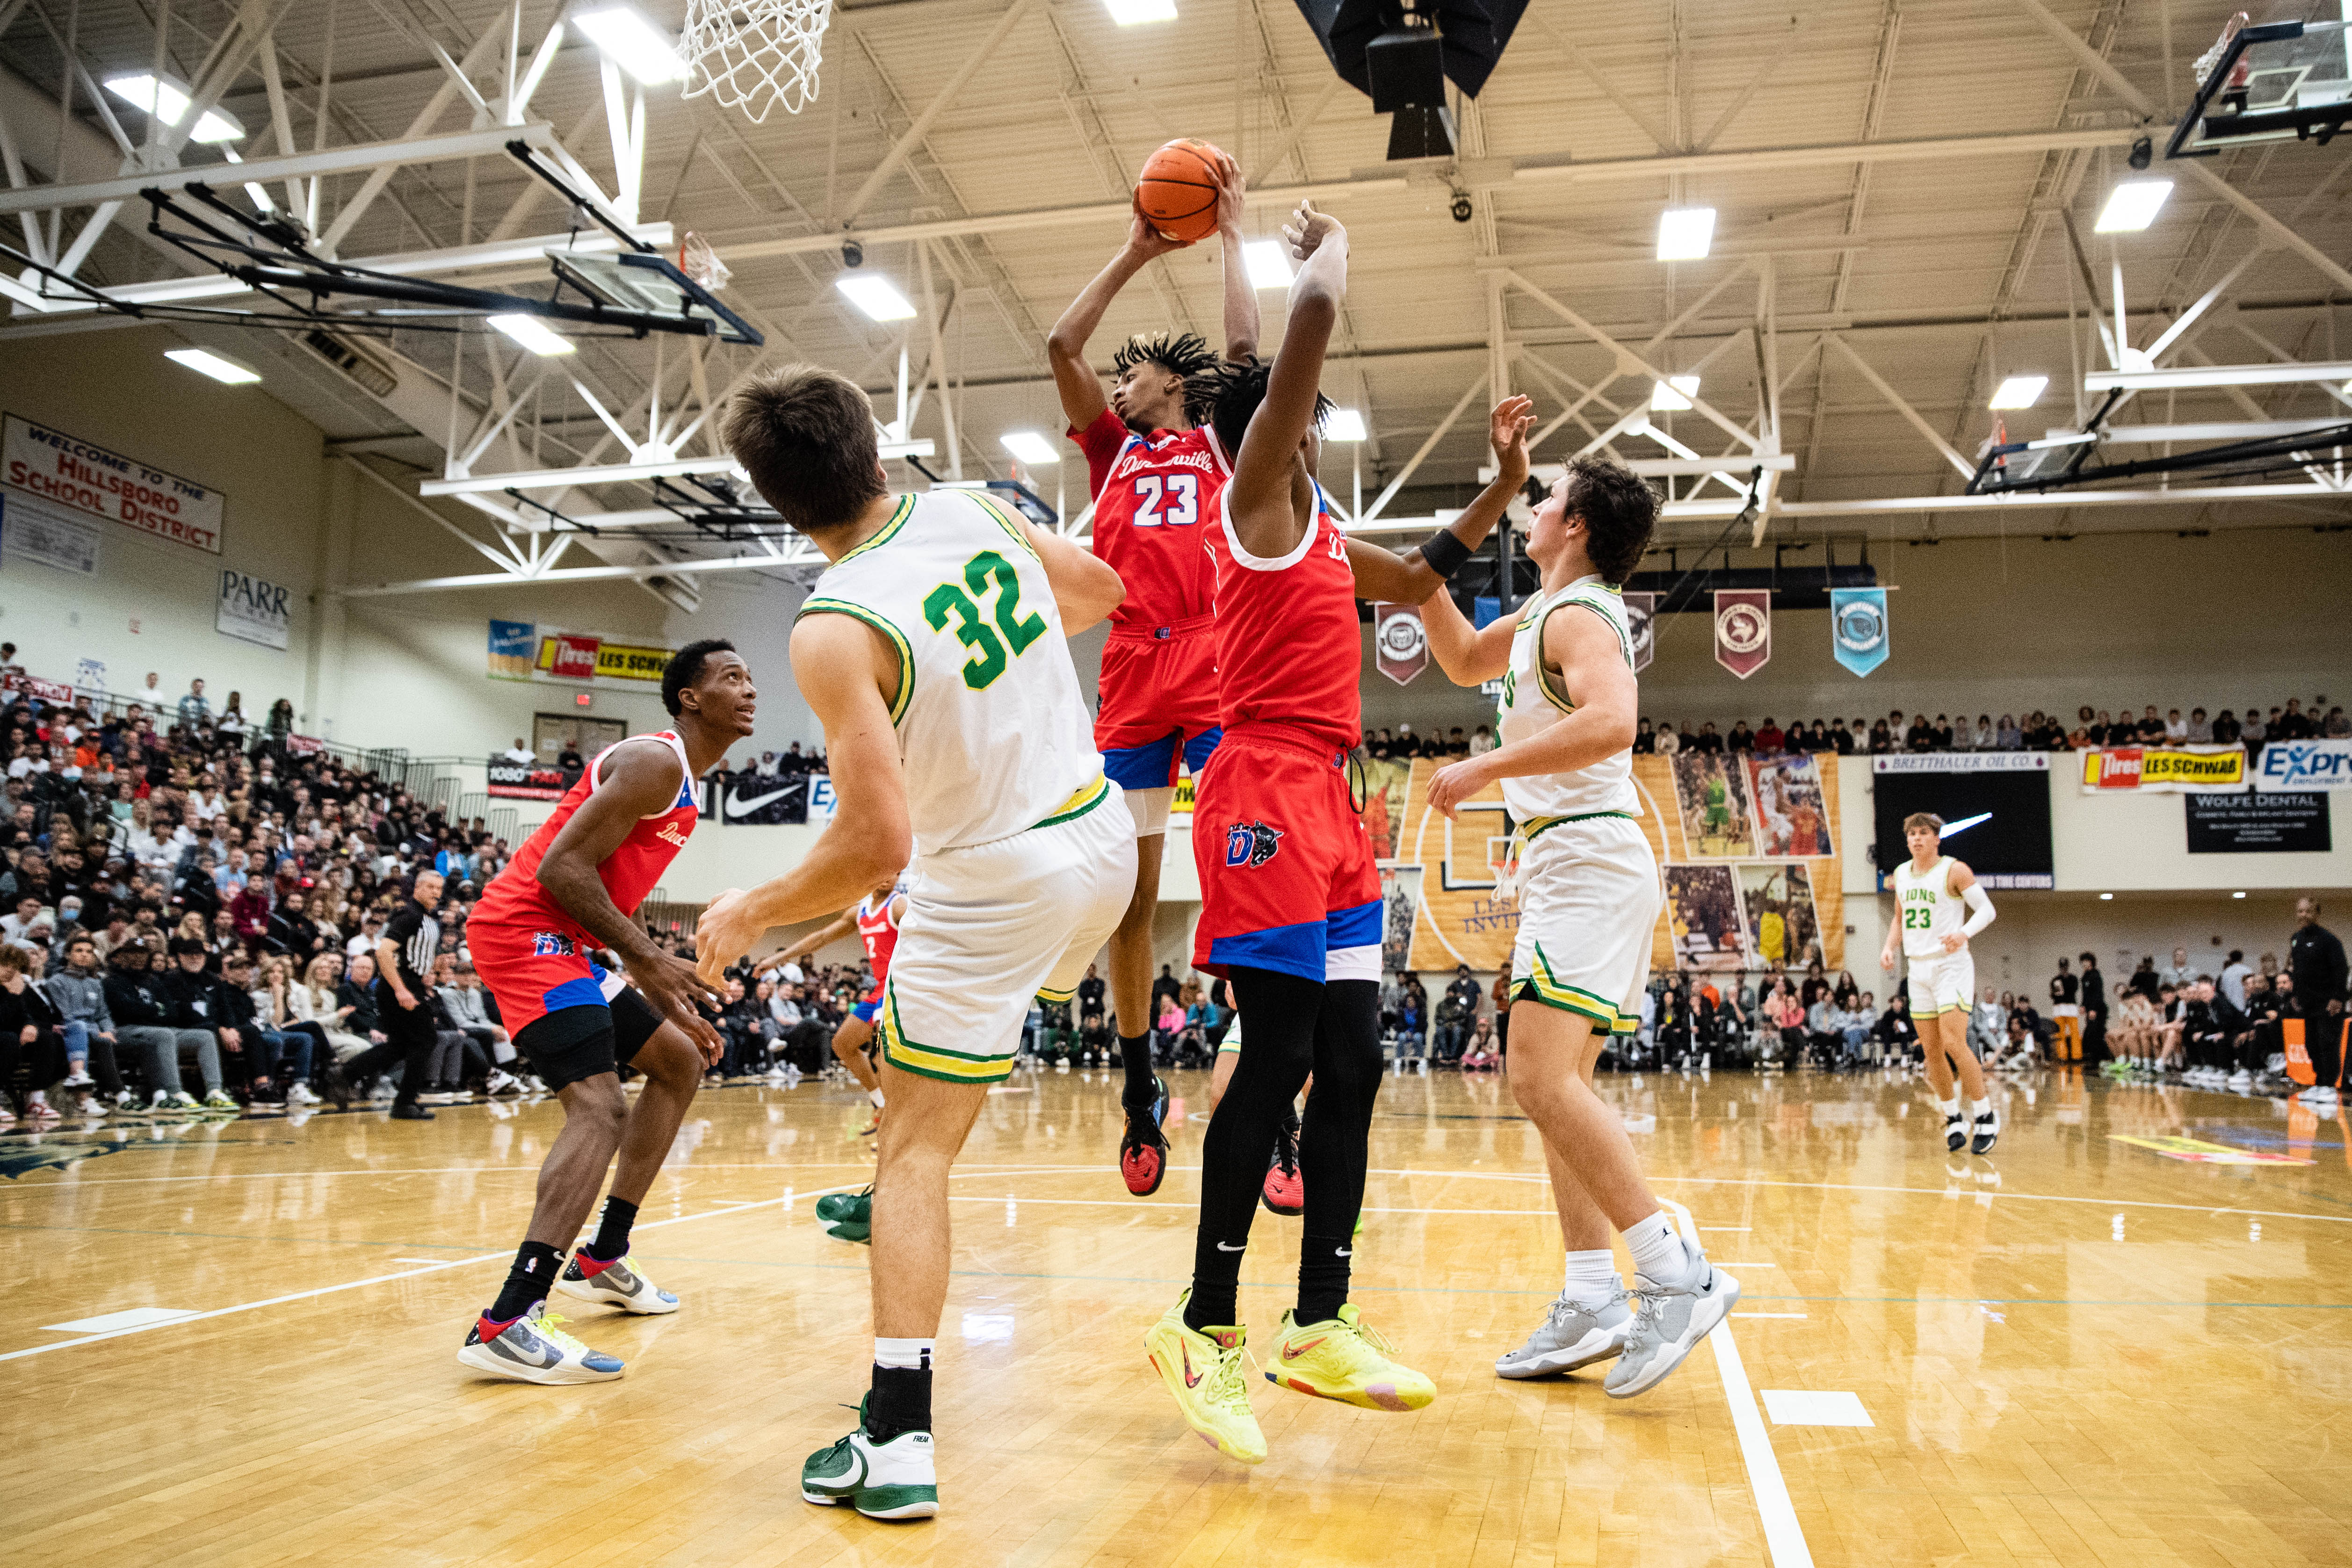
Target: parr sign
[92,482]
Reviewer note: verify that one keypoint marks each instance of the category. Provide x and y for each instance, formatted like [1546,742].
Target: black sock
[1142,1085]
[527,1281]
[901,1402]
[1334,1143]
[612,1236]
[1282,1010]
[1322,1278]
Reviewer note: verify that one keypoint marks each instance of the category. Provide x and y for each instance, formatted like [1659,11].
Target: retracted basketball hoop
[753,54]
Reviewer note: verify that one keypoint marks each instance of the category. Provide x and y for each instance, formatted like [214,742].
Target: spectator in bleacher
[193,710]
[1770,740]
[144,1012]
[1670,740]
[1896,1038]
[2227,730]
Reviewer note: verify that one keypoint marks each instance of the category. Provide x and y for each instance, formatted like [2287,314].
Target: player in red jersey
[1155,481]
[572,890]
[1291,912]
[876,919]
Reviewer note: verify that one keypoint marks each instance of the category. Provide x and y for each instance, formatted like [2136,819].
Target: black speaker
[1406,69]
[1471,37]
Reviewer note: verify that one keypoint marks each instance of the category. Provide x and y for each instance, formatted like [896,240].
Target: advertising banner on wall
[252,609]
[2259,822]
[1858,628]
[89,481]
[1401,641]
[1743,630]
[525,782]
[2305,764]
[522,651]
[36,531]
[2150,769]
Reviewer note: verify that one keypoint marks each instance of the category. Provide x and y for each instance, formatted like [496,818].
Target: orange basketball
[1178,189]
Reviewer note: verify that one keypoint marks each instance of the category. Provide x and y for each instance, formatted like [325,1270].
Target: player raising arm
[1154,479]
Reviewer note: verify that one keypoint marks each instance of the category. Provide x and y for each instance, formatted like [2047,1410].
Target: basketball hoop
[700,262]
[753,54]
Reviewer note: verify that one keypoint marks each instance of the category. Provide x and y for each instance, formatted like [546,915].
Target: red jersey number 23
[1178,494]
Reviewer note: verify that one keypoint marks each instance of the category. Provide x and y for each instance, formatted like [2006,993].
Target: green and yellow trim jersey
[1533,702]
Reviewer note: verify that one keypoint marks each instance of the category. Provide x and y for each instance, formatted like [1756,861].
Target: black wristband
[1444,553]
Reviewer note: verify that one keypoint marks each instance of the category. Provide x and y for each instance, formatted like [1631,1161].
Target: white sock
[1951,1107]
[875,1095]
[1591,1277]
[913,1354]
[1980,1108]
[1658,1255]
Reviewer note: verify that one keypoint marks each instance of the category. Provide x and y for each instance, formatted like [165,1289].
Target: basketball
[1178,190]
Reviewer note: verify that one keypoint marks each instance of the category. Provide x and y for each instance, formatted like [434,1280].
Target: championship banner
[512,644]
[91,482]
[1743,630]
[2305,764]
[1642,620]
[1401,641]
[1858,627]
[2151,769]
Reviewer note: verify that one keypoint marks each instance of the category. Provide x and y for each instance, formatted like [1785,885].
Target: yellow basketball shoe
[1341,1358]
[1204,1372]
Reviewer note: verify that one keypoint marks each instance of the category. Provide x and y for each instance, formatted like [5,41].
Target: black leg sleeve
[1282,1011]
[1334,1145]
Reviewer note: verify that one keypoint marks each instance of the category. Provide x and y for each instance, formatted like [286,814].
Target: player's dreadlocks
[1226,396]
[1179,353]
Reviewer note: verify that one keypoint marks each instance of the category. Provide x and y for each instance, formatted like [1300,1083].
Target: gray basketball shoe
[1571,1336]
[1669,1320]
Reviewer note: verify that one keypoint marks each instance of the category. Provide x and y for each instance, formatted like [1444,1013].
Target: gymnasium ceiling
[1892,187]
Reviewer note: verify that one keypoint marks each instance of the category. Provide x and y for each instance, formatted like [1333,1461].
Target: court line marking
[1799,1316]
[1784,1538]
[412,1273]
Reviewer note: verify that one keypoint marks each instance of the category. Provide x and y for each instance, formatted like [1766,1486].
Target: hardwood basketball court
[2119,1339]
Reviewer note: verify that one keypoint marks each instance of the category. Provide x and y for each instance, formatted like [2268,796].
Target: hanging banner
[1642,620]
[512,643]
[2305,764]
[1401,641]
[34,531]
[92,482]
[2152,769]
[1743,630]
[253,611]
[1858,627]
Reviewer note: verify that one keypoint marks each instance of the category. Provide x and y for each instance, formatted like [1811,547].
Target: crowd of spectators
[2038,731]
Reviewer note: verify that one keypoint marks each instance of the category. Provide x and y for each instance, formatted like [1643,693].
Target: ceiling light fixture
[1134,13]
[220,367]
[2019,391]
[533,334]
[1268,264]
[1685,233]
[1030,447]
[876,295]
[634,44]
[169,101]
[1344,425]
[1673,393]
[2132,206]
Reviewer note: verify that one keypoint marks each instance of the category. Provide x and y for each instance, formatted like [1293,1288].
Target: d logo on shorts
[1250,843]
[551,944]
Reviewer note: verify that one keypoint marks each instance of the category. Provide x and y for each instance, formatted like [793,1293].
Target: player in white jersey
[1588,903]
[932,651]
[1931,891]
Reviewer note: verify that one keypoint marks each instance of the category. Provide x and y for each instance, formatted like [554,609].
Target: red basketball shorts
[1288,878]
[1158,702]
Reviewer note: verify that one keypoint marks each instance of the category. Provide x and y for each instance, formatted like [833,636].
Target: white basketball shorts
[1589,898]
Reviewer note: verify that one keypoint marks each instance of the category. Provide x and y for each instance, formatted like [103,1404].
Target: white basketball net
[753,54]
